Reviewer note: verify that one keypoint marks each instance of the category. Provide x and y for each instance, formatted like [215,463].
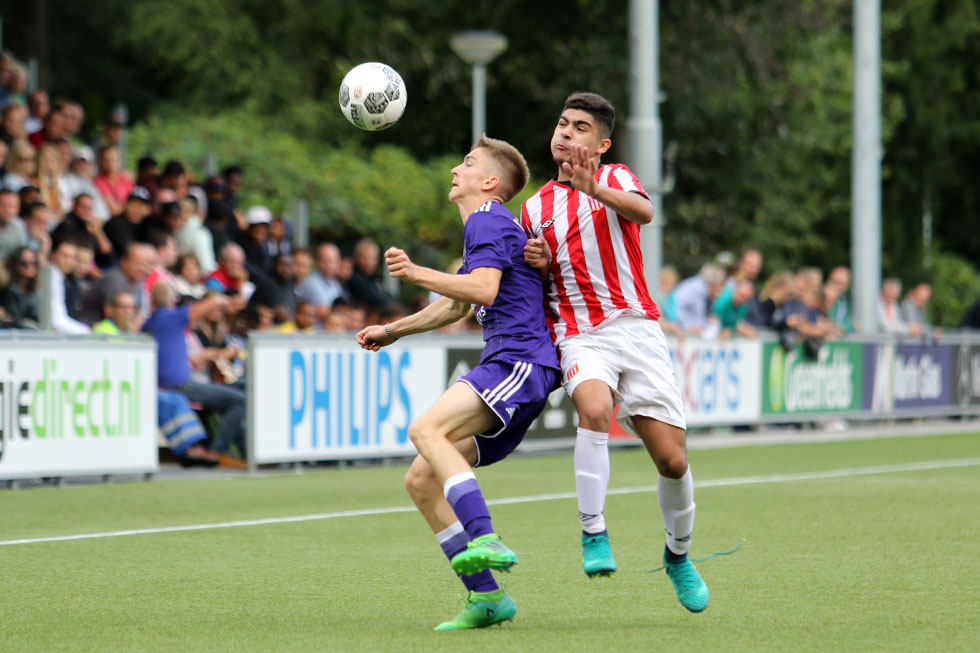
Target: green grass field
[886,561]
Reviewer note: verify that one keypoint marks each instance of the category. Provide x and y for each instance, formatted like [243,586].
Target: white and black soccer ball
[373,96]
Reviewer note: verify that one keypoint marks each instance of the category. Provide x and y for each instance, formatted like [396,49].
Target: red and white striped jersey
[596,264]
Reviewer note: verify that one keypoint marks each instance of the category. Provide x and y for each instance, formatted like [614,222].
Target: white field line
[720,482]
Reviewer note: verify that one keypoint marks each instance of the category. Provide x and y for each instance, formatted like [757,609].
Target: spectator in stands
[18,84]
[214,358]
[732,307]
[174,177]
[121,229]
[38,220]
[364,285]
[111,136]
[253,241]
[51,179]
[65,295]
[13,233]
[82,225]
[12,124]
[840,311]
[302,264]
[167,324]
[21,166]
[913,309]
[121,315]
[193,236]
[278,289]
[86,271]
[74,120]
[166,257]
[55,128]
[889,315]
[231,276]
[146,174]
[279,237]
[693,296]
[765,313]
[29,195]
[322,287]
[188,281]
[18,298]
[233,176]
[4,153]
[112,181]
[79,179]
[39,106]
[304,319]
[747,267]
[220,219]
[134,266]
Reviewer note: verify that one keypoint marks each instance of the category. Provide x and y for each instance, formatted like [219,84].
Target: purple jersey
[514,328]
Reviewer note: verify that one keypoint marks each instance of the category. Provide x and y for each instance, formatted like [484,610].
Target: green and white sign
[73,407]
[794,383]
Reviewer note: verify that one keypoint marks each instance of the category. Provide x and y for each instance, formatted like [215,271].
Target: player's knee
[595,417]
[418,434]
[673,465]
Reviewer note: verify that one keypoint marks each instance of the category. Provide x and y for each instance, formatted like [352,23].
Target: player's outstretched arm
[438,314]
[480,286]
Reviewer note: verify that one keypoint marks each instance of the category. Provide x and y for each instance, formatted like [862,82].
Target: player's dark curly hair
[598,107]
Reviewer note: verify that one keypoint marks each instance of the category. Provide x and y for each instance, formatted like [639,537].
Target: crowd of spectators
[157,250]
[725,299]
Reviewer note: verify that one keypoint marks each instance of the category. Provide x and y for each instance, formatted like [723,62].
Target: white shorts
[630,355]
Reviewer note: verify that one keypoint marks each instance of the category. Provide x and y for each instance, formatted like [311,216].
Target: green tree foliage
[758,106]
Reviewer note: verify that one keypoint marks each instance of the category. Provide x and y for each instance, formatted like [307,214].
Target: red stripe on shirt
[579,263]
[564,306]
[631,239]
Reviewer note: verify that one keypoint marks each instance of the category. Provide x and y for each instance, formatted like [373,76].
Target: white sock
[676,497]
[591,478]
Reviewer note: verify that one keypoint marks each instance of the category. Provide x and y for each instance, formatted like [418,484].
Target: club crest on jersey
[595,204]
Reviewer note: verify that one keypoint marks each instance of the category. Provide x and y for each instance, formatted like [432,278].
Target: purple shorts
[517,392]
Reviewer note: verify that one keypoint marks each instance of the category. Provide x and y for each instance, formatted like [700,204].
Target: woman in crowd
[114,184]
[18,298]
[188,280]
[21,161]
[51,179]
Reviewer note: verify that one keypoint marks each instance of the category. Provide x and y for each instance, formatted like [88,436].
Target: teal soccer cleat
[597,557]
[482,609]
[691,590]
[484,552]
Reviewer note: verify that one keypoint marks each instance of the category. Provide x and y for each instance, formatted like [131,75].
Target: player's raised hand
[373,337]
[581,169]
[537,253]
[399,265]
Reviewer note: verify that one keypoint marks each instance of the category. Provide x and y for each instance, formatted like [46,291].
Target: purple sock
[479,582]
[463,494]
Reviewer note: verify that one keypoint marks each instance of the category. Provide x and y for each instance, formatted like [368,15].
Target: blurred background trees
[757,110]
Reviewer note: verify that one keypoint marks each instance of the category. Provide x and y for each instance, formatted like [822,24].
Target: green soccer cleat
[691,590]
[597,557]
[484,552]
[482,609]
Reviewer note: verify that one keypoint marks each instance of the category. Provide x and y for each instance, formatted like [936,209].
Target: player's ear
[491,182]
[604,145]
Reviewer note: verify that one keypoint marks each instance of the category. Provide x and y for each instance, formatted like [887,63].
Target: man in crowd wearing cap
[252,241]
[121,229]
[81,172]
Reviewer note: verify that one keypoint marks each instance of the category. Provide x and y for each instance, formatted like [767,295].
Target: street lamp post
[478,48]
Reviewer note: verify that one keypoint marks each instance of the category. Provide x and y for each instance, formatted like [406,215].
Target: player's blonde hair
[513,167]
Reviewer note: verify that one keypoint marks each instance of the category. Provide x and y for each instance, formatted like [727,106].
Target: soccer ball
[373,96]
